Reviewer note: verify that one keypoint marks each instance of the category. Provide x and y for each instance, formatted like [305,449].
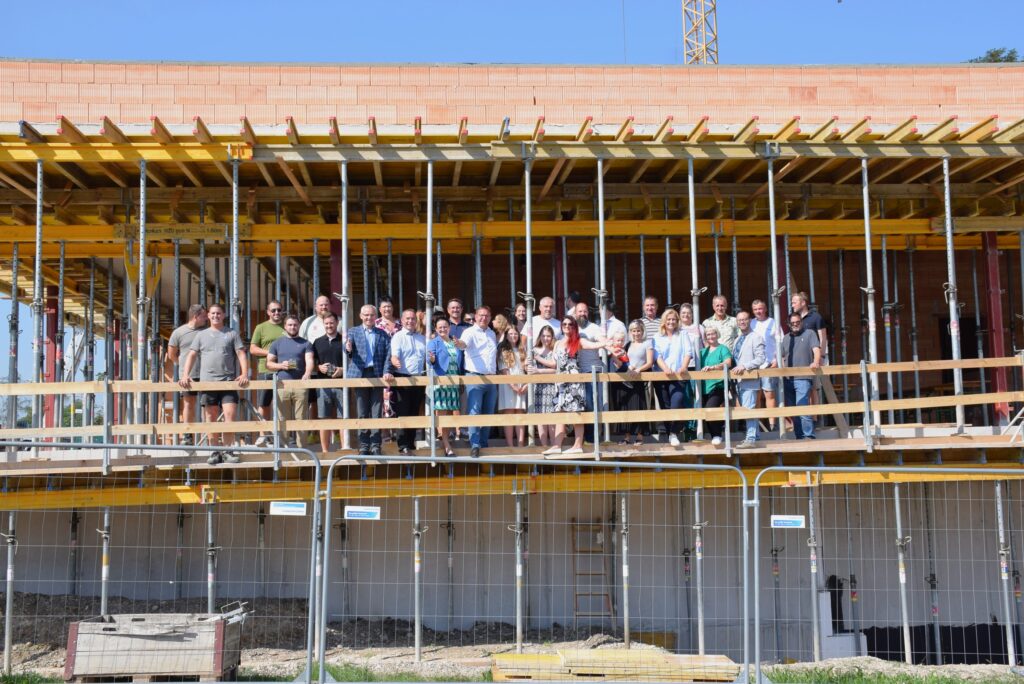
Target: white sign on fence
[362,512]
[794,521]
[288,508]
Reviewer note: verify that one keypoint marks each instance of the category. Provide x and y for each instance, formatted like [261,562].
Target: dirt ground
[868,666]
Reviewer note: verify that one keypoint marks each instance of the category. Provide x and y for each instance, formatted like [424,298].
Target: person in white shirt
[313,327]
[589,358]
[408,358]
[613,327]
[481,358]
[766,327]
[545,317]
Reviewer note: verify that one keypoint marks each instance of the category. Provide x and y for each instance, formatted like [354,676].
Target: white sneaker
[716,441]
[673,440]
[573,450]
[262,441]
[552,451]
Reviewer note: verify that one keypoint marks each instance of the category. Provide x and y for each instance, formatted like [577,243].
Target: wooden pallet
[643,665]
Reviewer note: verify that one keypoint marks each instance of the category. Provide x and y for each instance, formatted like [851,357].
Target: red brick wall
[267,93]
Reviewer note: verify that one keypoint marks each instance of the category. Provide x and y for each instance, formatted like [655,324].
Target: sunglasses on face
[275,310]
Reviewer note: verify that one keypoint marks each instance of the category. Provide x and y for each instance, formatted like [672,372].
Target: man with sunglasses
[262,337]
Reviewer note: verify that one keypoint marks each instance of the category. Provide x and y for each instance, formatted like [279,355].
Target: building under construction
[893,196]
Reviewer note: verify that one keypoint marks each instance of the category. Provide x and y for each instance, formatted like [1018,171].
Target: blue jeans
[798,393]
[480,401]
[748,400]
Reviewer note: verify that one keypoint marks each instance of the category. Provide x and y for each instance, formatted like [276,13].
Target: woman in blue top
[445,359]
[672,354]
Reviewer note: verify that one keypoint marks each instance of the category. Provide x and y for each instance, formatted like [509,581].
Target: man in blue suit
[367,348]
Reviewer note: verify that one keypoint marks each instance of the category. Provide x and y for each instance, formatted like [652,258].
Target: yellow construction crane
[700,32]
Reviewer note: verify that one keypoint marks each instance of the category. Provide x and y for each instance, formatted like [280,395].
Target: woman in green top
[714,357]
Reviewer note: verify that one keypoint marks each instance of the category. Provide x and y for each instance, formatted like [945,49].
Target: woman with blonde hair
[500,325]
[512,397]
[544,394]
[672,354]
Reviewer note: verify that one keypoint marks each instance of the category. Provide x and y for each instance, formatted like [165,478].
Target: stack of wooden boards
[643,665]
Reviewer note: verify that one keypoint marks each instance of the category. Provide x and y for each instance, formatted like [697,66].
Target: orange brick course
[37,91]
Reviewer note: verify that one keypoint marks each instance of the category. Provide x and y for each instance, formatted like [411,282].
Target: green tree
[997,55]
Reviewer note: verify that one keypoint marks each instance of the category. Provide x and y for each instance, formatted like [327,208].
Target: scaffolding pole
[901,548]
[950,291]
[1004,576]
[869,289]
[37,299]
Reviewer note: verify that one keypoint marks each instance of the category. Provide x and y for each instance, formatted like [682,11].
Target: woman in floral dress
[572,396]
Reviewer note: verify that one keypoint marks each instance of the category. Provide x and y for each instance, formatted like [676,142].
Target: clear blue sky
[558,31]
[549,31]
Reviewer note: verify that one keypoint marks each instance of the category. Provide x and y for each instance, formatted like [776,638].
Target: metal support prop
[735,276]
[1004,576]
[366,266]
[179,554]
[37,299]
[901,548]
[236,290]
[105,563]
[812,550]
[595,391]
[913,326]
[695,289]
[512,273]
[14,334]
[715,234]
[887,324]
[12,548]
[932,579]
[528,296]
[979,333]
[643,273]
[440,291]
[866,419]
[810,273]
[176,321]
[854,598]
[211,561]
[391,291]
[343,296]
[773,242]
[624,531]
[869,289]
[58,342]
[602,302]
[202,267]
[89,409]
[450,529]
[518,530]
[565,267]
[316,268]
[417,571]
[277,255]
[776,582]
[843,330]
[698,550]
[141,301]
[668,265]
[950,289]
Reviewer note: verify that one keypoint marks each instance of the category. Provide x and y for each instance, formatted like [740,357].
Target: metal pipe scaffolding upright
[950,288]
[528,229]
[773,242]
[236,301]
[869,289]
[140,304]
[37,298]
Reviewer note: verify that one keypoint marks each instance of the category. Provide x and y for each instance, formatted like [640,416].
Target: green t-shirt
[713,357]
[263,336]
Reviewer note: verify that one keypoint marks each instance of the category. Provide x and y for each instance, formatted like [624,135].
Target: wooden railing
[860,409]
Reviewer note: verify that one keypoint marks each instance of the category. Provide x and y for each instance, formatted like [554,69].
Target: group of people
[389,344]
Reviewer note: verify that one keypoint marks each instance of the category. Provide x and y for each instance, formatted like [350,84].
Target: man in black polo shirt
[800,349]
[329,357]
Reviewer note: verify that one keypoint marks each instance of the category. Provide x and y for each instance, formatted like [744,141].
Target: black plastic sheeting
[961,645]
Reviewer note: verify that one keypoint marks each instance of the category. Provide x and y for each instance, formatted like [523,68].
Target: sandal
[449,453]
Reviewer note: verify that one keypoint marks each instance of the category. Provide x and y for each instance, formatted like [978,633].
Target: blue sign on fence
[362,512]
[794,521]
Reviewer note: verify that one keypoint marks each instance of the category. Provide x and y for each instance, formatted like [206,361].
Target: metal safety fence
[440,561]
[903,564]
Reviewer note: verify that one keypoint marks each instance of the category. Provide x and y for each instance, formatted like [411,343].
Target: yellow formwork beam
[157,494]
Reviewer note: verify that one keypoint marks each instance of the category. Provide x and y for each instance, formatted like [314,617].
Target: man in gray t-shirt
[223,358]
[800,349]
[180,343]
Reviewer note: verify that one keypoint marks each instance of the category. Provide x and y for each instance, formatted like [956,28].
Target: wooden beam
[68,131]
[110,131]
[159,131]
[30,193]
[640,169]
[332,130]
[898,166]
[1011,134]
[549,181]
[201,133]
[857,130]
[1015,180]
[28,132]
[625,130]
[994,169]
[664,131]
[290,175]
[943,132]
[248,134]
[788,130]
[748,131]
[902,132]
[983,130]
[826,131]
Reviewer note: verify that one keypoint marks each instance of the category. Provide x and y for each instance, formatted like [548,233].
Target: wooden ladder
[592,597]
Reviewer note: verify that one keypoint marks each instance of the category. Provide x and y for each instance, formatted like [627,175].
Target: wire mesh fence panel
[129,583]
[549,561]
[916,571]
